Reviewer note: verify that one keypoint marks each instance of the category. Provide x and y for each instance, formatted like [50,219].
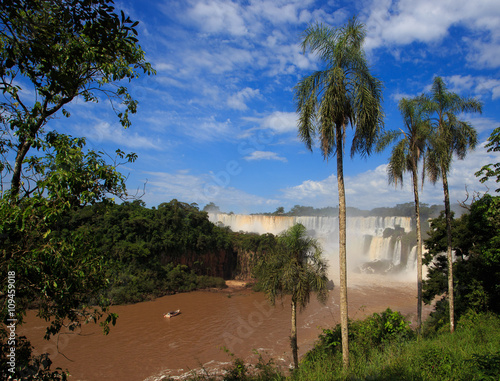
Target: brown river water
[146,346]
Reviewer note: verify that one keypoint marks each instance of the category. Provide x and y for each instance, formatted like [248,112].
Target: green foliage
[476,241]
[27,365]
[450,135]
[471,353]
[411,142]
[490,171]
[60,50]
[293,267]
[375,331]
[487,366]
[52,52]
[343,93]
[158,251]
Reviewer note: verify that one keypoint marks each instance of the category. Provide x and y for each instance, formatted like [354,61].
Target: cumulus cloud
[280,122]
[477,85]
[370,189]
[238,101]
[264,155]
[215,16]
[401,22]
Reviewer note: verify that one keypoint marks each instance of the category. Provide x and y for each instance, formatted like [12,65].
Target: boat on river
[171,314]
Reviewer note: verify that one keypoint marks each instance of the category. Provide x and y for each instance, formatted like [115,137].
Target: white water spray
[374,244]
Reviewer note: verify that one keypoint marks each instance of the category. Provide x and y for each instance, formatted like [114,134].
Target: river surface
[146,346]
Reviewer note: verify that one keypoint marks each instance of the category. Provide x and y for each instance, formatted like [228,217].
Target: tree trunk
[342,252]
[22,150]
[419,250]
[447,212]
[293,336]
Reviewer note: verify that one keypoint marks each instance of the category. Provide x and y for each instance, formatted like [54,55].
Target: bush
[364,335]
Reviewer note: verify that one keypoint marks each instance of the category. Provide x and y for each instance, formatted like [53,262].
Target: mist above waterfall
[383,245]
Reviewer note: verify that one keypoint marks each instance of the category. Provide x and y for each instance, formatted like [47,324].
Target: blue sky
[218,124]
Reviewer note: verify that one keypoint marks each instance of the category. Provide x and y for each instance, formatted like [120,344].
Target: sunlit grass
[471,353]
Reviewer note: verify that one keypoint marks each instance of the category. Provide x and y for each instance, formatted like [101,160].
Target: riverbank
[144,345]
[471,353]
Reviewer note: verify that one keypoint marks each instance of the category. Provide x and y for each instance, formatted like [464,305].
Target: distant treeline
[161,250]
[400,210]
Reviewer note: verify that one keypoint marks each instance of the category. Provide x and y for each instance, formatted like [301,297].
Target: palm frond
[450,134]
[343,94]
[387,138]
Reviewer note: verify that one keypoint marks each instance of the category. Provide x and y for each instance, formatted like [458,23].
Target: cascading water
[374,244]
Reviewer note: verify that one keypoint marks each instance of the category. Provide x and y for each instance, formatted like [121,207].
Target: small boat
[171,314]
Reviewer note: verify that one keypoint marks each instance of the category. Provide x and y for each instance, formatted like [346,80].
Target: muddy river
[146,346]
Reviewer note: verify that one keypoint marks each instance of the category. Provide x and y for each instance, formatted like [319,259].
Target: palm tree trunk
[293,336]
[447,212]
[342,252]
[419,250]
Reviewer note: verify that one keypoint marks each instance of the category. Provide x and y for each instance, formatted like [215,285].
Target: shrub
[373,332]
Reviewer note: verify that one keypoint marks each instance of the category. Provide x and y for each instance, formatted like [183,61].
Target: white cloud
[238,101]
[208,129]
[482,124]
[280,122]
[215,61]
[488,85]
[215,16]
[396,23]
[479,86]
[201,189]
[264,155]
[105,132]
[370,189]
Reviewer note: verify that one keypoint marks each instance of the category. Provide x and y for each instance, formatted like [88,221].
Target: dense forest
[161,250]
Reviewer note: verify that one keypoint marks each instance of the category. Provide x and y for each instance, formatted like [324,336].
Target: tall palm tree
[405,156]
[294,267]
[450,136]
[328,101]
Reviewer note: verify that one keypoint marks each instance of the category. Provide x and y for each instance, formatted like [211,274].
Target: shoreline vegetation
[171,248]
[383,347]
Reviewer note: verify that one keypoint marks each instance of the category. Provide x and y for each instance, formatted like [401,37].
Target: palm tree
[450,136]
[327,102]
[294,267]
[404,158]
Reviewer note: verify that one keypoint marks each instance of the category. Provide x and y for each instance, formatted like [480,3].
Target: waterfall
[373,243]
[396,258]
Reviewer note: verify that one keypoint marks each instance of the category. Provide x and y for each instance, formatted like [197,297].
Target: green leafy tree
[57,271]
[211,208]
[51,53]
[490,171]
[279,210]
[451,136]
[58,51]
[294,267]
[328,101]
[476,242]
[406,154]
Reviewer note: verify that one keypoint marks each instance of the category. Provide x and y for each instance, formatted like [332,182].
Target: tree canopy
[491,171]
[52,53]
[476,243]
